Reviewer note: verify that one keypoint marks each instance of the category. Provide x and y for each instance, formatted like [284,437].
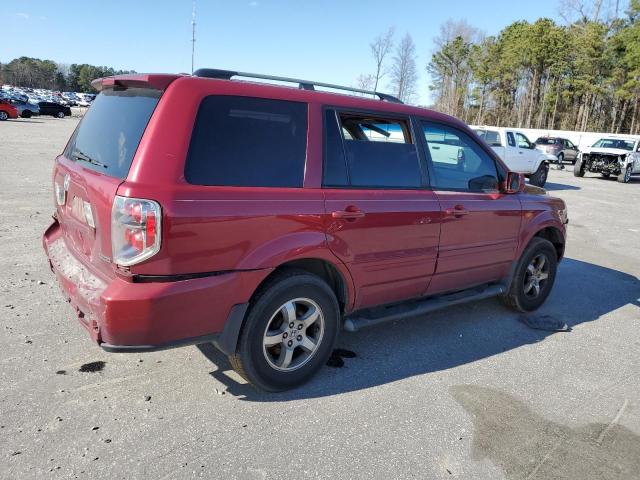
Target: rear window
[548,141]
[108,136]
[490,136]
[248,142]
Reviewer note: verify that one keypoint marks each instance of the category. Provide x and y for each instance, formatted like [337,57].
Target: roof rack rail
[303,84]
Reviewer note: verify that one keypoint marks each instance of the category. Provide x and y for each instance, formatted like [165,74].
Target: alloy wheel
[293,334]
[536,276]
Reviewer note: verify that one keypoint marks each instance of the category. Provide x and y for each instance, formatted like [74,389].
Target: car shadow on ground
[460,335]
[633,179]
[552,187]
[24,120]
[612,178]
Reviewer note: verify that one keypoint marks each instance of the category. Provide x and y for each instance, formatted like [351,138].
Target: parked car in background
[562,148]
[71,98]
[26,109]
[7,110]
[610,156]
[266,219]
[54,109]
[518,153]
[83,102]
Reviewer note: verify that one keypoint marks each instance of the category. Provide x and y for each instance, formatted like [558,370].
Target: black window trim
[500,174]
[424,172]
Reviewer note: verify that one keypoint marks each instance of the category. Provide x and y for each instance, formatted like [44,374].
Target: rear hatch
[95,162]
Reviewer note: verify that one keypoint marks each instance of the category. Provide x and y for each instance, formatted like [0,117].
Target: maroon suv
[265,219]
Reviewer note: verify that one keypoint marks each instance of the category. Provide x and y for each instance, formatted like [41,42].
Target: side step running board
[368,318]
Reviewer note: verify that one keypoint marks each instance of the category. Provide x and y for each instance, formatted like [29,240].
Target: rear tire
[625,176]
[605,175]
[533,278]
[539,178]
[60,115]
[578,168]
[272,354]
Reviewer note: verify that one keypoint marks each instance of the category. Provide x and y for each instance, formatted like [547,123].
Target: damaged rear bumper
[121,315]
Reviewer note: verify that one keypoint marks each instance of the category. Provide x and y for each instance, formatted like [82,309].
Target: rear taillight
[61,194]
[135,230]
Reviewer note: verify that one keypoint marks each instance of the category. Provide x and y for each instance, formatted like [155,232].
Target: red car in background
[7,110]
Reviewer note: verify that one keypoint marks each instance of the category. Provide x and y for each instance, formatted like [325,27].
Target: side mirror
[515,183]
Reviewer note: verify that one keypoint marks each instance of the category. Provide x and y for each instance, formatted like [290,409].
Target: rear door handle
[350,213]
[457,211]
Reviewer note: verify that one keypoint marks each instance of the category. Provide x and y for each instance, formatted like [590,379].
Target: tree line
[583,74]
[35,73]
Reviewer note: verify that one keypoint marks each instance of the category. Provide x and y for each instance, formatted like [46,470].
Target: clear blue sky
[319,40]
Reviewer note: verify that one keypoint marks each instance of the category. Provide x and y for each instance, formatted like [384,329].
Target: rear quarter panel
[212,228]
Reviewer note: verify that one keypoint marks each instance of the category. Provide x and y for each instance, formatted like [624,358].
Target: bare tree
[589,10]
[404,75]
[380,49]
[452,29]
[365,82]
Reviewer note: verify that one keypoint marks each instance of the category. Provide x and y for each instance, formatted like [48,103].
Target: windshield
[108,136]
[614,143]
[548,141]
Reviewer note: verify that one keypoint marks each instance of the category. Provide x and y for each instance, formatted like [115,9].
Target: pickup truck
[520,155]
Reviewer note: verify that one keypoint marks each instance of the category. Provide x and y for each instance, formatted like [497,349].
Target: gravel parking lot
[470,392]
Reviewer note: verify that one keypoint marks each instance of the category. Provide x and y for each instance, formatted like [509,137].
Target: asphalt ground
[470,392]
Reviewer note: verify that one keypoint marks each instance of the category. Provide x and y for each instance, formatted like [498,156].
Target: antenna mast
[193,35]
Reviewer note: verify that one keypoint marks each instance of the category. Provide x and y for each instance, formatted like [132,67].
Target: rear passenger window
[249,142]
[379,153]
[459,163]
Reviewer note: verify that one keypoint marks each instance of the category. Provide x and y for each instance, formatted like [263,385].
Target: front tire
[60,115]
[26,114]
[625,176]
[534,276]
[289,332]
[4,116]
[539,178]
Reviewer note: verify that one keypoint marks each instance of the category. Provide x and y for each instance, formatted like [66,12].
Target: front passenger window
[459,162]
[523,142]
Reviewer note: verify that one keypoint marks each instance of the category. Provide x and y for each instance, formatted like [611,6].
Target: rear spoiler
[157,81]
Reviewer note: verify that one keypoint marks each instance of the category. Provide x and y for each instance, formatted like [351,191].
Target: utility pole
[193,35]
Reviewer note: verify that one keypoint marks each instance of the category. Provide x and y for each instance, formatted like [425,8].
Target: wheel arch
[553,235]
[337,277]
[323,269]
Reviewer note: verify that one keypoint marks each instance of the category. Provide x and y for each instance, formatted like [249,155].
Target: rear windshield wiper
[78,155]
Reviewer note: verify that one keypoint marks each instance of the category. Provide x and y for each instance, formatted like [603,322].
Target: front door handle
[349,213]
[457,211]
